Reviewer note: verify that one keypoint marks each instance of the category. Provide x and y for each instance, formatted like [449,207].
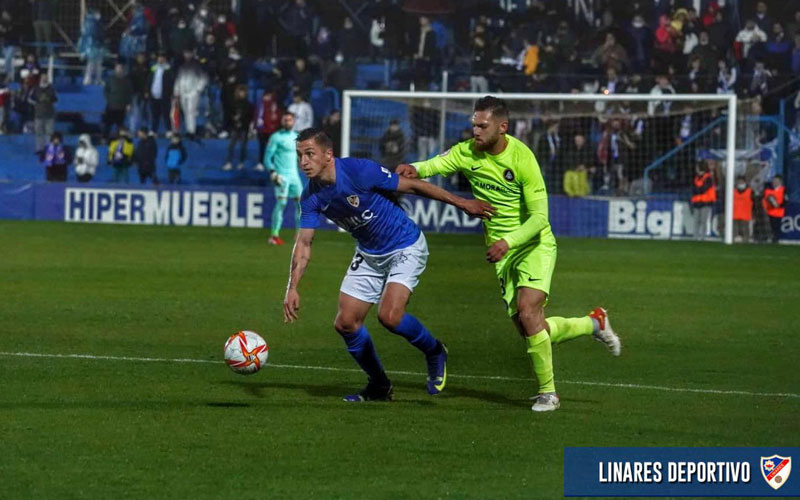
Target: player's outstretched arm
[473,208]
[301,255]
[444,164]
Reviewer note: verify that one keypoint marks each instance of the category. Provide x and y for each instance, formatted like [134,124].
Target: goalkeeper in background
[280,158]
[503,171]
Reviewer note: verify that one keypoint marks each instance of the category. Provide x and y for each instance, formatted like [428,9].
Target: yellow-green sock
[541,354]
[563,329]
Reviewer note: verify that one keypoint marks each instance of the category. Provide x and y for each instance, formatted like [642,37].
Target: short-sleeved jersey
[507,181]
[357,203]
[281,153]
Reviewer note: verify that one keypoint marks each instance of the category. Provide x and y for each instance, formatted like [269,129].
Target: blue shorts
[292,187]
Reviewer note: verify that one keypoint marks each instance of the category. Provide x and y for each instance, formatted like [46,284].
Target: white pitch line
[416,374]
[108,358]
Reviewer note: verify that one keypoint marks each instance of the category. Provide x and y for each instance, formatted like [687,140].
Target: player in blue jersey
[390,256]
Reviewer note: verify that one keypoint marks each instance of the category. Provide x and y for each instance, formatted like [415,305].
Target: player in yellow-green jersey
[503,171]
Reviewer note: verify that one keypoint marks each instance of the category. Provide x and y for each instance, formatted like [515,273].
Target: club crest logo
[353,200]
[776,470]
[508,175]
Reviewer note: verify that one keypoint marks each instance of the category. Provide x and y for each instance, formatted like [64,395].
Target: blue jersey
[357,203]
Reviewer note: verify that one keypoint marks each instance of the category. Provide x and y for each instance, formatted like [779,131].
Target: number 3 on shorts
[357,260]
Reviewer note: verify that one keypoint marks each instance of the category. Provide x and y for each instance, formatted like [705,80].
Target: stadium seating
[18,163]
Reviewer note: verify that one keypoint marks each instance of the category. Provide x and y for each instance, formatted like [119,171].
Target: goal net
[619,165]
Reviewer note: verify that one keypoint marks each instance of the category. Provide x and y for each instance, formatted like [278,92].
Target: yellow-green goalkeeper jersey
[511,181]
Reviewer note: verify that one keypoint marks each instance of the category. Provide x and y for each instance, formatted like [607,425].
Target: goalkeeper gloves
[276,178]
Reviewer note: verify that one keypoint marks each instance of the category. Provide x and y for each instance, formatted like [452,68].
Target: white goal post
[437,102]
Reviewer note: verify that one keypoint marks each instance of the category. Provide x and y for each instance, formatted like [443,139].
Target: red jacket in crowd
[268,114]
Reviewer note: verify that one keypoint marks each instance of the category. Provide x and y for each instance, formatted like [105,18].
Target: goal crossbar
[729,99]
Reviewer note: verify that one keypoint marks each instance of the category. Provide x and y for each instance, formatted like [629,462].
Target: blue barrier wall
[203,166]
[237,206]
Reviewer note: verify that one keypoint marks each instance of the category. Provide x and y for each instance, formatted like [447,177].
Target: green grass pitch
[709,333]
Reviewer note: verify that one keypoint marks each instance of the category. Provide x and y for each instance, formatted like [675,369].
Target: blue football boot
[437,370]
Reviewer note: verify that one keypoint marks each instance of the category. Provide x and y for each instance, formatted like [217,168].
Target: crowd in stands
[178,64]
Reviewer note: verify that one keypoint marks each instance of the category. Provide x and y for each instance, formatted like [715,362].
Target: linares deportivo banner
[234,206]
[679,472]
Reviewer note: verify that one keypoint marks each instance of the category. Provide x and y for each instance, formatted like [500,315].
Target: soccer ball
[246,352]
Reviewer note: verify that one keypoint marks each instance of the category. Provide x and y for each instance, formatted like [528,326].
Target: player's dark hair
[318,135]
[494,105]
[289,113]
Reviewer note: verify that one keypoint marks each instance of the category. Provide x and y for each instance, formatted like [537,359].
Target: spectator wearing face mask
[224,28]
[758,84]
[339,73]
[139,76]
[43,99]
[481,62]
[9,37]
[201,23]
[92,48]
[762,18]
[393,145]
[231,75]
[160,85]
[175,157]
[376,31]
[181,39]
[642,38]
[55,158]
[120,155]
[190,82]
[578,160]
[86,159]
[295,20]
[726,78]
[118,92]
[750,37]
[611,54]
[301,76]
[742,211]
[777,49]
[706,53]
[145,156]
[268,120]
[302,111]
[352,43]
[704,195]
[774,203]
[241,122]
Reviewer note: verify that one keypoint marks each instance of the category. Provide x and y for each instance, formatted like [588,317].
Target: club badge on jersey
[357,203]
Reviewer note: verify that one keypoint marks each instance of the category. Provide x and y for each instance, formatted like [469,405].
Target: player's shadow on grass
[223,404]
[337,390]
[491,397]
[260,389]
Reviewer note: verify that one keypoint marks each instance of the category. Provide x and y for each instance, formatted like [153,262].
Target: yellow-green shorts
[529,266]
